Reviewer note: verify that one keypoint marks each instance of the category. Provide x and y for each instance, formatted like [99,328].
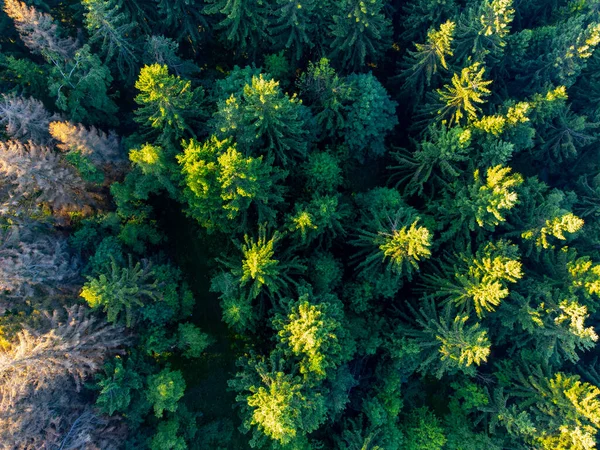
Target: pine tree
[112,28]
[314,331]
[361,33]
[460,100]
[543,215]
[420,65]
[100,147]
[274,403]
[478,282]
[244,22]
[183,17]
[162,50]
[437,159]
[121,290]
[70,349]
[265,119]
[167,103]
[221,185]
[33,265]
[482,30]
[259,270]
[25,119]
[565,410]
[369,117]
[320,220]
[481,204]
[80,86]
[293,26]
[548,323]
[449,342]
[327,94]
[164,391]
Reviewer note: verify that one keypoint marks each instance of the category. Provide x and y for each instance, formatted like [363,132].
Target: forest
[299,224]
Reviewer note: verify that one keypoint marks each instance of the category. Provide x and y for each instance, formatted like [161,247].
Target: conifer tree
[275,404]
[100,147]
[222,185]
[265,119]
[167,103]
[80,86]
[460,100]
[184,18]
[293,25]
[478,282]
[39,32]
[421,64]
[481,204]
[482,30]
[112,28]
[314,330]
[327,94]
[450,342]
[34,175]
[244,22]
[369,117]
[361,33]
[25,119]
[33,265]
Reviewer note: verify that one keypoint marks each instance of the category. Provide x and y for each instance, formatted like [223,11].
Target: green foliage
[185,18]
[167,102]
[166,437]
[482,29]
[80,86]
[112,28]
[140,291]
[260,116]
[244,22]
[360,30]
[565,410]
[460,100]
[222,186]
[164,391]
[449,342]
[276,404]
[478,282]
[369,117]
[294,25]
[481,204]
[118,386]
[423,431]
[422,64]
[313,330]
[191,340]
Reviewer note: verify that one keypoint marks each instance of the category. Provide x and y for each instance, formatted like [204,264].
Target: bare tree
[101,148]
[39,31]
[25,119]
[35,174]
[40,380]
[33,263]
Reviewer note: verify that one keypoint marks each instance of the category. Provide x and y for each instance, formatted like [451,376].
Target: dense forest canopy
[299,224]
